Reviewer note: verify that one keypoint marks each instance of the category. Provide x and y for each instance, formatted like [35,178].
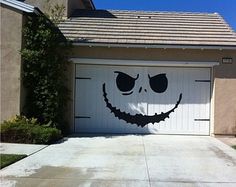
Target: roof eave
[21,6]
[162,46]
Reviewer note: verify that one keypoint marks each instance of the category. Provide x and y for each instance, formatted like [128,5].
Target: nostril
[140,89]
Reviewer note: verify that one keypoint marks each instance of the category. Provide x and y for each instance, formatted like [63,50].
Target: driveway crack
[145,157]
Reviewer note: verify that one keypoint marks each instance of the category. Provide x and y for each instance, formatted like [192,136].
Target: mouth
[139,119]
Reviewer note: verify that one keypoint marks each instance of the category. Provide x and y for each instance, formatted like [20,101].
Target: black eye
[158,83]
[125,82]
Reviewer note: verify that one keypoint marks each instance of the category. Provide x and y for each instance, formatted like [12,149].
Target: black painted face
[125,83]
[158,83]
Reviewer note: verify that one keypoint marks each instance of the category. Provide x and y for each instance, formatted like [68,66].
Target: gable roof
[146,28]
[21,6]
[89,4]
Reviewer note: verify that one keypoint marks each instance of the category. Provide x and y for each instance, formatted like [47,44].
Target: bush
[22,130]
[45,60]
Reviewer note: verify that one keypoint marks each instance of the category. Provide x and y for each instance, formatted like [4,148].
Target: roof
[20,6]
[147,28]
[89,4]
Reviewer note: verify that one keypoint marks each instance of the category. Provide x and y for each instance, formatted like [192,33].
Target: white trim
[164,46]
[212,104]
[142,63]
[19,5]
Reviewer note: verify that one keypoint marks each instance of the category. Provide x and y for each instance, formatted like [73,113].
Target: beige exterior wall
[225,99]
[11,37]
[70,5]
[223,112]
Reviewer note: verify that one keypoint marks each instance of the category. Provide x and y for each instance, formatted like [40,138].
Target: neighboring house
[70,5]
[150,72]
[13,16]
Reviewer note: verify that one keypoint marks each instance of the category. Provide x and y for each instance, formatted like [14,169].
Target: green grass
[8,159]
[234,146]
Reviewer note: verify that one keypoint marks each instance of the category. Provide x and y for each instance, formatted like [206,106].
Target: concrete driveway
[131,160]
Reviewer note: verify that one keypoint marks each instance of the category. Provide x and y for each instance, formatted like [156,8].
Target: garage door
[128,99]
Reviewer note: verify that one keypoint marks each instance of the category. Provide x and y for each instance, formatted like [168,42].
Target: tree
[45,59]
[54,13]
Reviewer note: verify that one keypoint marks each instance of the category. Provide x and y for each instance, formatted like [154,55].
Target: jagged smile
[138,119]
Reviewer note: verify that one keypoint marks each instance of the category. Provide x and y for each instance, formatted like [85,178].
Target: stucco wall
[11,36]
[223,99]
[70,5]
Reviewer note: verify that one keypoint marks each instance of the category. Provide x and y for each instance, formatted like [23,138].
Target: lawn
[7,159]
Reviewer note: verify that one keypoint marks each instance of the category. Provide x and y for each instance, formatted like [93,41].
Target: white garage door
[126,99]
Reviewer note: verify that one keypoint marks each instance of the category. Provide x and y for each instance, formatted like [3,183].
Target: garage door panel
[203,126]
[194,103]
[141,90]
[83,97]
[128,102]
[202,98]
[83,124]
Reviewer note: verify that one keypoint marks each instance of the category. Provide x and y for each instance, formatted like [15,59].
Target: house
[151,72]
[13,15]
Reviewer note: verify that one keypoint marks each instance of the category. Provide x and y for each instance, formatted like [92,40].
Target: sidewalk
[229,140]
[23,149]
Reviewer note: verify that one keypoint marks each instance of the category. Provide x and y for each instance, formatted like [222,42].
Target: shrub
[45,61]
[22,130]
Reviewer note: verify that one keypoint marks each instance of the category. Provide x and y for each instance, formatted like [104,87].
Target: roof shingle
[146,27]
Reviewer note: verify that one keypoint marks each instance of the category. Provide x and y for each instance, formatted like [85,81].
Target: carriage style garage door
[131,99]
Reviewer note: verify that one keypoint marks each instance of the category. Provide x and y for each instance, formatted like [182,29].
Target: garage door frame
[125,62]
